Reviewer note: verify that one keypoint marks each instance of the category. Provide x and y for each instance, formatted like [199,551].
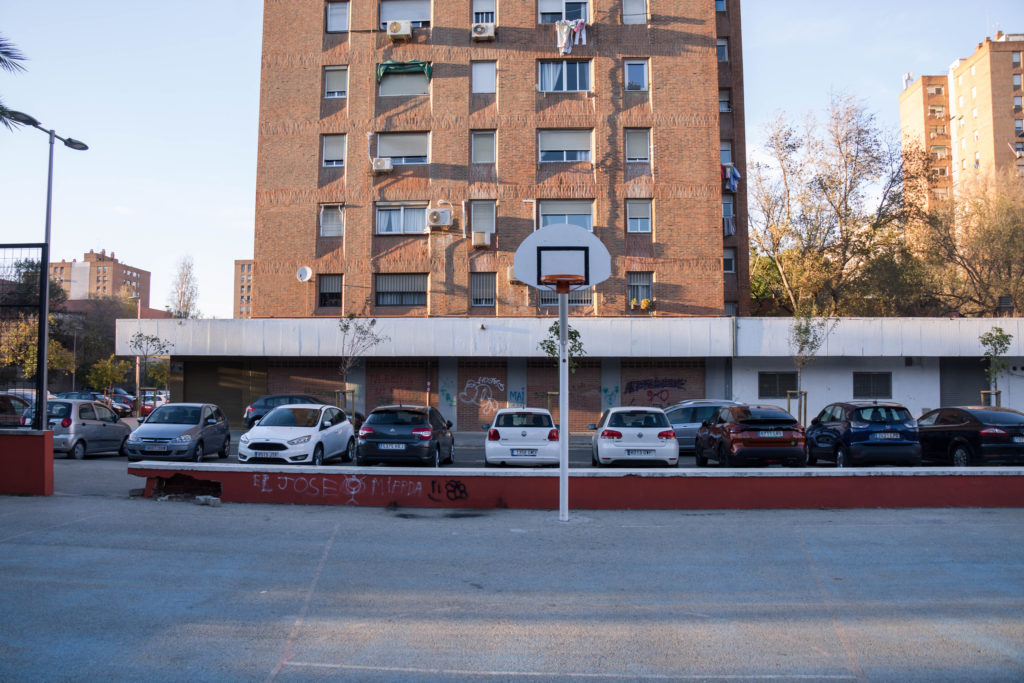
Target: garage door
[961,381]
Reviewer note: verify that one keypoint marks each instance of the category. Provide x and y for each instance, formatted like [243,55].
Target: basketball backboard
[562,252]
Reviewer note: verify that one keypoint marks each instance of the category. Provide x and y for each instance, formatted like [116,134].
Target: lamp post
[42,355]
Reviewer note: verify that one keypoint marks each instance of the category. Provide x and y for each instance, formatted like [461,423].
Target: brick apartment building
[242,302]
[100,275]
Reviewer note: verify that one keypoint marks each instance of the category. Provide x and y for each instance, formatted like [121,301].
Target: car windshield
[638,418]
[999,417]
[175,415]
[882,414]
[286,416]
[397,417]
[523,420]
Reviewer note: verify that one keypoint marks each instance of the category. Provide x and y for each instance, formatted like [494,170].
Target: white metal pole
[563,406]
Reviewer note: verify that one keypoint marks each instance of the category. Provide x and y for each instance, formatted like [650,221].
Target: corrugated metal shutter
[961,381]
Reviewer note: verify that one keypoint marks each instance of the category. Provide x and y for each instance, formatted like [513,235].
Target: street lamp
[42,355]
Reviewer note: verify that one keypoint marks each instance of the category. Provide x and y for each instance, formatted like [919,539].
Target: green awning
[411,67]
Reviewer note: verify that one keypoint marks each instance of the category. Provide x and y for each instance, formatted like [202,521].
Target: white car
[634,433]
[299,433]
[522,436]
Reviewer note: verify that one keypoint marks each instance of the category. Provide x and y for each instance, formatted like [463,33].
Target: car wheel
[698,454]
[199,452]
[78,452]
[223,452]
[842,457]
[360,460]
[350,451]
[451,453]
[437,455]
[318,455]
[723,456]
[809,459]
[122,451]
[961,456]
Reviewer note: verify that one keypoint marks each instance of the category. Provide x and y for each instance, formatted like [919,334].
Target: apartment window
[564,76]
[483,11]
[634,11]
[572,211]
[722,49]
[482,289]
[939,152]
[775,384]
[564,145]
[724,100]
[330,291]
[936,111]
[483,147]
[396,219]
[868,385]
[335,81]
[332,220]
[639,286]
[942,172]
[974,113]
[638,145]
[719,5]
[729,260]
[1016,81]
[337,17]
[1018,126]
[401,289]
[732,308]
[636,74]
[1018,147]
[1017,103]
[935,90]
[726,151]
[334,150]
[638,215]
[940,193]
[1015,58]
[403,148]
[485,77]
[728,215]
[416,11]
[483,215]
[579,297]
[404,85]
[555,10]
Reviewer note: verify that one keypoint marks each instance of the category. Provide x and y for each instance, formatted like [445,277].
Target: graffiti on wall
[480,392]
[652,392]
[610,396]
[517,398]
[356,489]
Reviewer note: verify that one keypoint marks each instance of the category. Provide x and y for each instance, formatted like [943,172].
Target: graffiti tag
[479,392]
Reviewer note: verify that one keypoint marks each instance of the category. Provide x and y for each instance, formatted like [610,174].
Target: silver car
[83,428]
[687,416]
[181,431]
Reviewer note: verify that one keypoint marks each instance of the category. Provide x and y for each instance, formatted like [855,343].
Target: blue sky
[167,97]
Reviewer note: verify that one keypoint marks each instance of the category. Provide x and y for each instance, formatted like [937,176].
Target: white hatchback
[299,433]
[522,436]
[634,433]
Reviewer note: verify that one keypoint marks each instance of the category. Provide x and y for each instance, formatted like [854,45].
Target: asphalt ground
[98,586]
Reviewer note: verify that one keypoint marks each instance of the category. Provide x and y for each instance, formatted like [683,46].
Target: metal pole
[563,405]
[138,392]
[42,352]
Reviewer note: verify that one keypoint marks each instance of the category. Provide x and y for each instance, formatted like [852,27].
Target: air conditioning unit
[481,240]
[511,275]
[439,218]
[382,165]
[399,30]
[482,31]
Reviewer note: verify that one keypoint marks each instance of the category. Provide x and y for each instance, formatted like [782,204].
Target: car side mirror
[326,425]
[448,423]
[591,426]
[815,421]
[211,420]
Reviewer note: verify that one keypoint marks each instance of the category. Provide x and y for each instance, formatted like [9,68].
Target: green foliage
[552,343]
[996,343]
[108,372]
[159,373]
[19,348]
[145,347]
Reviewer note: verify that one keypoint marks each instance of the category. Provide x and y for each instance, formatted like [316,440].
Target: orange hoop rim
[563,279]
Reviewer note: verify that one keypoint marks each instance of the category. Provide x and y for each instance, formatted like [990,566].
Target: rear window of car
[285,416]
[882,414]
[397,417]
[60,410]
[523,420]
[764,414]
[998,417]
[638,418]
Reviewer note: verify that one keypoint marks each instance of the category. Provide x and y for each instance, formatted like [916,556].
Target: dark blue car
[864,432]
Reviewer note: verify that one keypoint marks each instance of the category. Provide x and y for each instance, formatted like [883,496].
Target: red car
[751,434]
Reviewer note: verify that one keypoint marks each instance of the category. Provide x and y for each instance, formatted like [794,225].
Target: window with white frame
[638,215]
[1016,81]
[403,148]
[485,77]
[868,385]
[634,11]
[482,289]
[936,111]
[415,11]
[329,287]
[639,286]
[335,81]
[636,74]
[726,151]
[729,260]
[1017,103]
[935,90]
[483,215]
[728,214]
[572,211]
[578,297]
[337,17]
[564,145]
[483,11]
[483,147]
[401,289]
[725,100]
[1015,58]
[555,10]
[638,145]
[722,49]
[564,75]
[404,85]
[401,218]
[1018,126]
[334,150]
[332,220]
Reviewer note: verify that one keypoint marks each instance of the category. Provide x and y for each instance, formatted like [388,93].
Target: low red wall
[593,490]
[26,462]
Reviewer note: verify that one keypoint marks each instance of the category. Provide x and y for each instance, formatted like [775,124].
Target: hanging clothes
[563,35]
[732,183]
[580,31]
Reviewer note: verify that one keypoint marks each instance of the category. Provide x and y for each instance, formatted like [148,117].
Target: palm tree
[10,60]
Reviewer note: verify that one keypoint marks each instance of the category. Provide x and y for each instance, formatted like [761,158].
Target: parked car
[402,434]
[972,435]
[122,408]
[83,428]
[748,434]
[633,433]
[264,404]
[521,436]
[300,433]
[864,432]
[12,408]
[686,418]
[180,431]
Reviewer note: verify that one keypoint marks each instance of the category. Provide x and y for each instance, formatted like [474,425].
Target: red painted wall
[26,463]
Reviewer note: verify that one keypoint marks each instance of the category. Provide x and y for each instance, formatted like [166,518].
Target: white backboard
[562,249]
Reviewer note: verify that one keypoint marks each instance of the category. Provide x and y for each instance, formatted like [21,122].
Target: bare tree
[184,297]
[358,335]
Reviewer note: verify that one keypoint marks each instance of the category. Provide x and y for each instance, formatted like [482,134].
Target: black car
[973,435]
[404,434]
[864,432]
[264,404]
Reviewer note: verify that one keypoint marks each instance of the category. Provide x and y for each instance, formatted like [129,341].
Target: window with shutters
[639,286]
[482,288]
[485,77]
[332,220]
[401,289]
[635,74]
[415,11]
[722,49]
[725,100]
[728,214]
[330,291]
[483,215]
[337,17]
[564,75]
[572,211]
[726,151]
[404,85]
[403,148]
[775,384]
[638,145]
[638,215]
[335,81]
[869,385]
[578,297]
[551,11]
[483,11]
[564,145]
[483,146]
[729,260]
[396,218]
[334,150]
[634,11]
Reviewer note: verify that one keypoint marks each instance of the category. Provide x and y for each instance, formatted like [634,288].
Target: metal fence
[23,272]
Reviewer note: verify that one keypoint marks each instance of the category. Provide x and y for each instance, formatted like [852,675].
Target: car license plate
[770,435]
[1018,439]
[524,451]
[885,435]
[156,449]
[637,453]
[392,446]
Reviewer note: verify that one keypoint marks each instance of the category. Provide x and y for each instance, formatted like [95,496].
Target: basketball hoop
[564,283]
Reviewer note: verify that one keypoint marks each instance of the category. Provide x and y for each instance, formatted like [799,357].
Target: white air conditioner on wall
[483,31]
[481,239]
[382,165]
[399,30]
[439,218]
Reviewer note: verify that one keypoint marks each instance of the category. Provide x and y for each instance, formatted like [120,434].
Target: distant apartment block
[100,275]
[242,303]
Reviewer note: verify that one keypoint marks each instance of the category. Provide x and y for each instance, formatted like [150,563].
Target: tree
[10,61]
[551,345]
[108,372]
[160,373]
[807,334]
[358,335]
[146,346]
[19,348]
[996,343]
[184,296]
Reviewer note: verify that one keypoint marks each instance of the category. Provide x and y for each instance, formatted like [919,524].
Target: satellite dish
[304,274]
